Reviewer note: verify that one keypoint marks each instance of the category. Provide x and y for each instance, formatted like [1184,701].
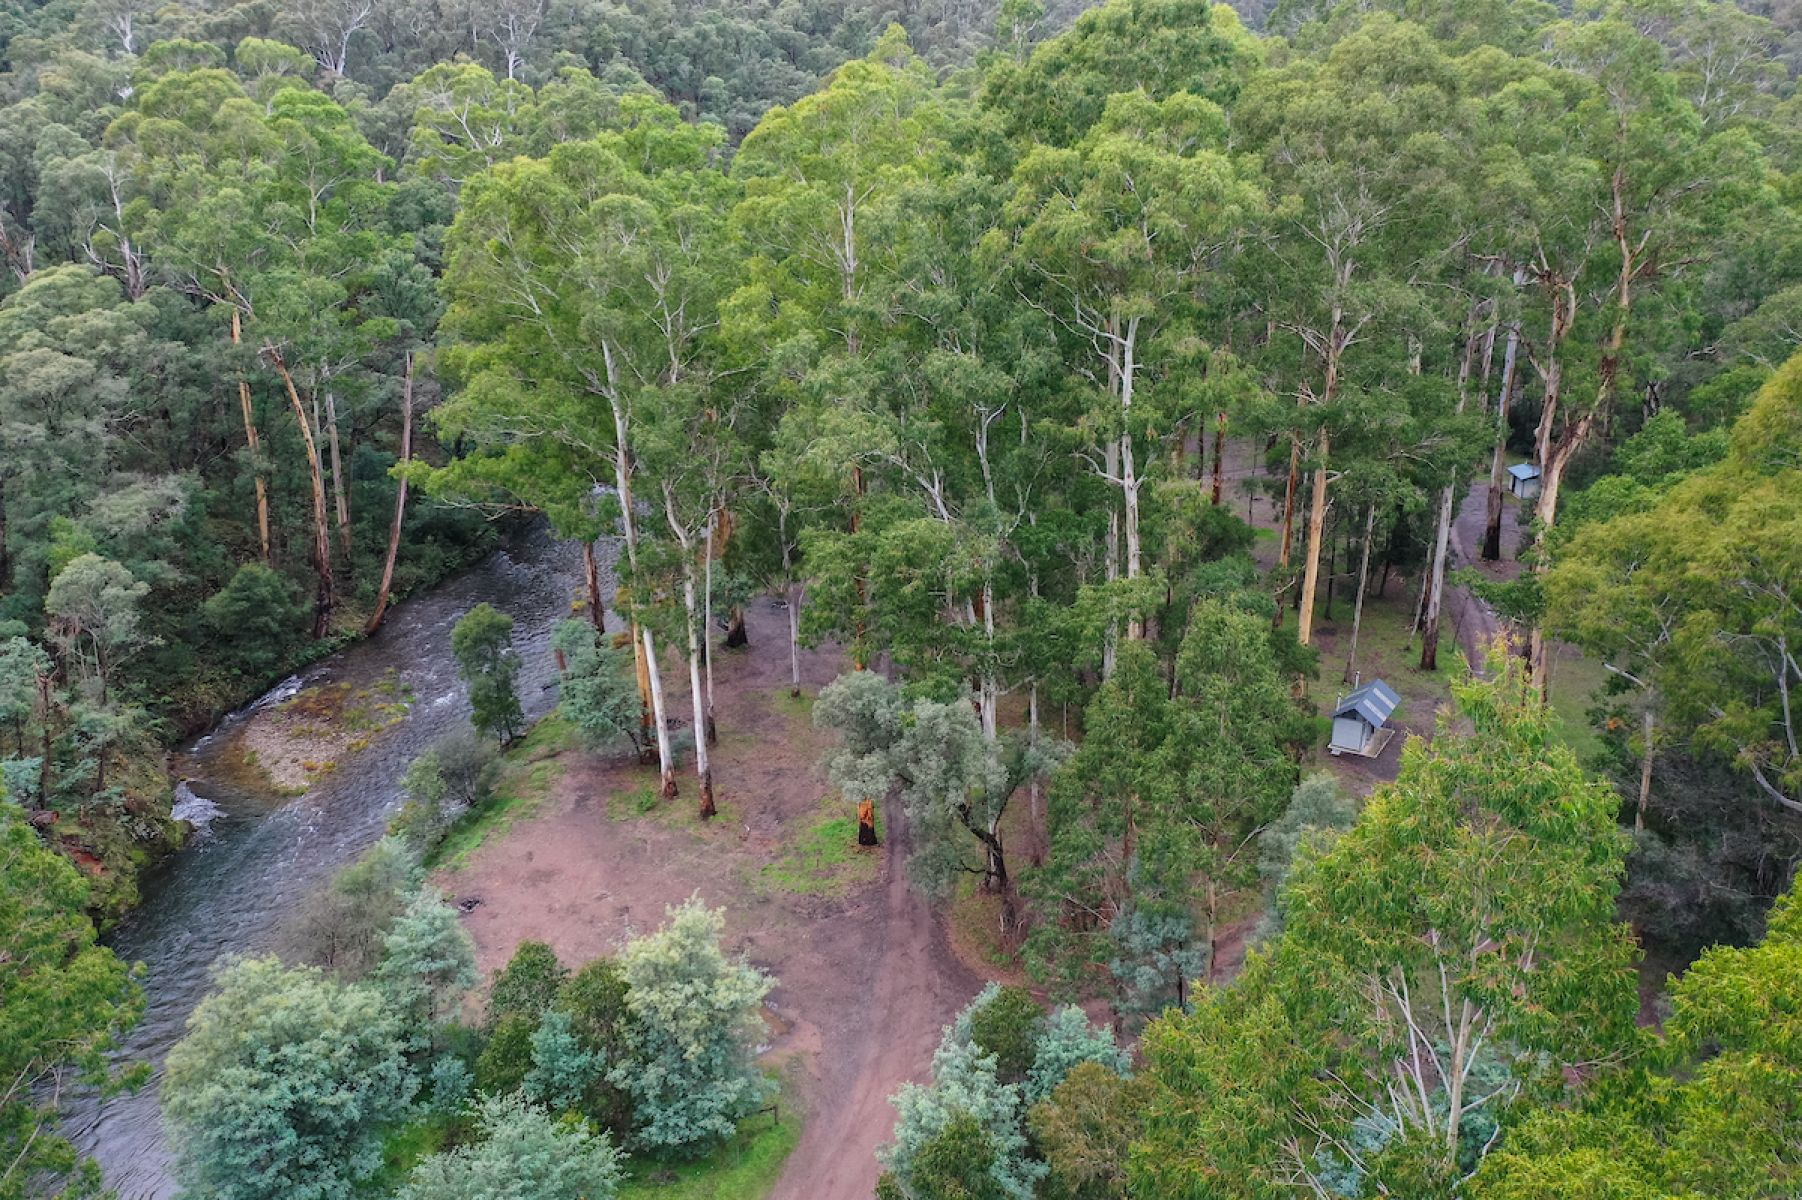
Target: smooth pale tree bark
[254,442]
[794,638]
[340,489]
[400,501]
[1558,439]
[1442,537]
[1498,460]
[325,595]
[1287,546]
[1310,578]
[713,547]
[693,615]
[650,673]
[1351,659]
[791,590]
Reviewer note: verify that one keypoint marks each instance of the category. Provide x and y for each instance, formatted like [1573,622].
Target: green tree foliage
[598,691]
[95,606]
[956,1162]
[964,1089]
[524,1153]
[506,1058]
[343,927]
[1067,1041]
[257,618]
[1162,46]
[1085,1128]
[1318,810]
[64,1000]
[482,642]
[1002,1054]
[1454,950]
[284,1085]
[956,782]
[594,999]
[528,985]
[455,775]
[694,1024]
[1690,595]
[1707,1110]
[1152,818]
[562,1070]
[1007,1024]
[428,964]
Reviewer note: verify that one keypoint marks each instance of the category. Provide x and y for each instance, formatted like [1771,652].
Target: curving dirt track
[866,977]
[917,986]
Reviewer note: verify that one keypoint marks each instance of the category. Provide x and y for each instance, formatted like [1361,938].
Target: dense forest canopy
[942,321]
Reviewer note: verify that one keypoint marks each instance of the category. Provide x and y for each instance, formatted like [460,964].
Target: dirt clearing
[866,979]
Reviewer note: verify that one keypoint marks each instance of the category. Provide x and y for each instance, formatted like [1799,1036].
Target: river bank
[257,850]
[150,812]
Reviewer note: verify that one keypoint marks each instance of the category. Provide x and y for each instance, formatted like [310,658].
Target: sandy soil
[866,977]
[292,743]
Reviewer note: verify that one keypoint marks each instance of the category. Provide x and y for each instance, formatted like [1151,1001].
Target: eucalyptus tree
[1648,180]
[1122,238]
[1361,149]
[1693,596]
[581,288]
[1059,92]
[272,214]
[1153,817]
[693,445]
[69,341]
[820,179]
[963,380]
[1452,951]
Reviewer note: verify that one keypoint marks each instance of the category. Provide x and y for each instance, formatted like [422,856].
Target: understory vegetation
[1053,370]
[354,1067]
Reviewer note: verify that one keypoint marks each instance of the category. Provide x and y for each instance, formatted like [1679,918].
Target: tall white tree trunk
[703,766]
[622,477]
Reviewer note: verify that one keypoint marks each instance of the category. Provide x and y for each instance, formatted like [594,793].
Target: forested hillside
[222,230]
[1057,372]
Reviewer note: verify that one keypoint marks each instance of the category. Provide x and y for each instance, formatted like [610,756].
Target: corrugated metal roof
[1374,702]
[1524,471]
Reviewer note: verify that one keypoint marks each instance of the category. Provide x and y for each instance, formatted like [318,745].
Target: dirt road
[895,1024]
[1476,623]
[866,978]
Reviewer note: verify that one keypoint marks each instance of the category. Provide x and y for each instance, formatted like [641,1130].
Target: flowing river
[256,855]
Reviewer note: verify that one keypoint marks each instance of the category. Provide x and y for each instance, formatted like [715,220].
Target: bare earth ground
[866,977]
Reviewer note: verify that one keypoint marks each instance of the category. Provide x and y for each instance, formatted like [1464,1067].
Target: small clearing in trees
[866,977]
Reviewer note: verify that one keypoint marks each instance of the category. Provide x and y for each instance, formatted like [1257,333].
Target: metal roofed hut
[1360,720]
[1523,481]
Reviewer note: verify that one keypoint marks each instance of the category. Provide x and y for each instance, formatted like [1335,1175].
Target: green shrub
[1007,1025]
[501,1068]
[527,985]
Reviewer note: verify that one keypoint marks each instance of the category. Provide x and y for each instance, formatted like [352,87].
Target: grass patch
[744,1168]
[402,1150]
[529,770]
[975,920]
[825,860]
[1575,682]
[799,708]
[1386,651]
[636,802]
